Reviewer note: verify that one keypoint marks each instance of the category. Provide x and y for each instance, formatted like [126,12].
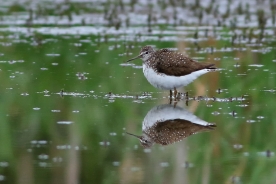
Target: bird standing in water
[168,70]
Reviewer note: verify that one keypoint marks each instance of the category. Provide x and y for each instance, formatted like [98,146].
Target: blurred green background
[67,99]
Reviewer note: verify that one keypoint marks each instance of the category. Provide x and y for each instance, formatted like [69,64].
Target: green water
[67,97]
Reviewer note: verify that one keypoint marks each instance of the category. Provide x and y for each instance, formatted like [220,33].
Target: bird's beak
[139,56]
[139,137]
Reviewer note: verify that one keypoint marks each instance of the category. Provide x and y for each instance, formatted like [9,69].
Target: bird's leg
[170,94]
[175,93]
[187,95]
[175,103]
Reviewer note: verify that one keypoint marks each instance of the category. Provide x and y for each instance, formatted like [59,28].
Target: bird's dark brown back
[176,64]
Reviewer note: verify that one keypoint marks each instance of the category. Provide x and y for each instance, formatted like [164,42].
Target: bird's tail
[209,66]
[211,126]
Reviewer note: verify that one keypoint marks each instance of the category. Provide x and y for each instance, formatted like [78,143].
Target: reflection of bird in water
[166,124]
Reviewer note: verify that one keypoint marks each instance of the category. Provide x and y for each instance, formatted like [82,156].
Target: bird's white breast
[167,82]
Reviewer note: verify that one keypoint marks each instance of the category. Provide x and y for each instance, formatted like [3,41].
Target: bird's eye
[147,52]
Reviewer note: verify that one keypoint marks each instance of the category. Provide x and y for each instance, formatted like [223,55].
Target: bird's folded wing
[176,64]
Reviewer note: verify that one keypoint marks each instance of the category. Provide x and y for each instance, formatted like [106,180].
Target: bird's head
[145,141]
[145,54]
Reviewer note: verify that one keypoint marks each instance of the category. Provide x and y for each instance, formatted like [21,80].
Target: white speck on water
[82,53]
[54,64]
[57,159]
[237,146]
[260,117]
[42,164]
[243,105]
[116,163]
[24,94]
[43,68]
[12,62]
[65,122]
[113,133]
[256,65]
[55,110]
[43,156]
[127,64]
[250,121]
[36,108]
[164,164]
[38,142]
[215,113]
[76,111]
[104,143]
[42,142]
[2,177]
[63,147]
[147,150]
[134,169]
[53,55]
[4,164]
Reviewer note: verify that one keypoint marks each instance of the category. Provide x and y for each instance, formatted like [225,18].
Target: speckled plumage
[172,63]
[167,124]
[171,131]
[167,69]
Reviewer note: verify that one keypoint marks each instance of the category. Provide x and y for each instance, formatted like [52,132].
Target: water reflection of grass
[209,152]
[92,148]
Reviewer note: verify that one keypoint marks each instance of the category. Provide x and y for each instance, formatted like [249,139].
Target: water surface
[68,98]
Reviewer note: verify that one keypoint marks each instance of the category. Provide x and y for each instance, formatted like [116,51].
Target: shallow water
[68,97]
